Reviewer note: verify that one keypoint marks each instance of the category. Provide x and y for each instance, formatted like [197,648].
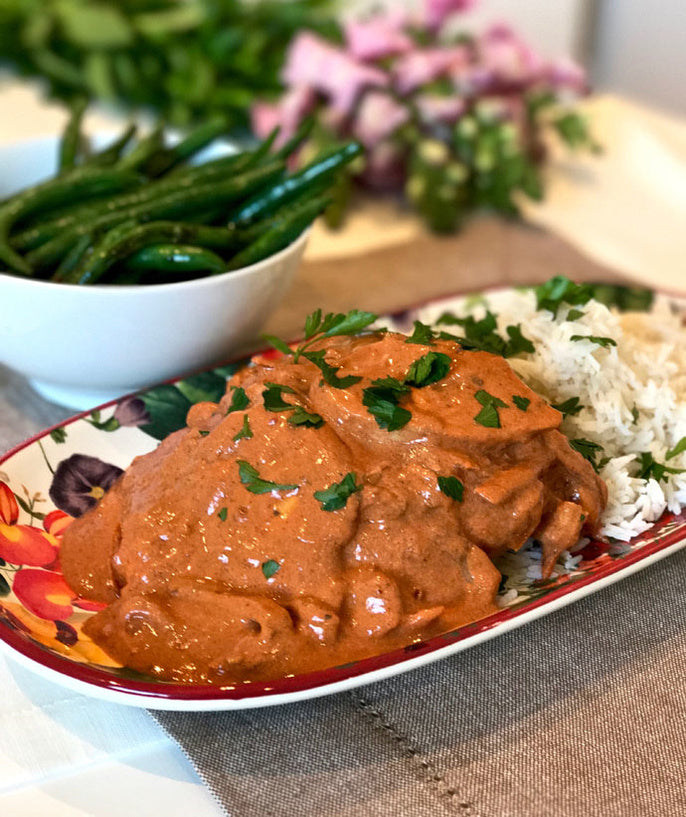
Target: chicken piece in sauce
[320,524]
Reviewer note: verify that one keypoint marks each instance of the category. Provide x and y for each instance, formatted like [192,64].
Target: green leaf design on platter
[167,407]
[203,387]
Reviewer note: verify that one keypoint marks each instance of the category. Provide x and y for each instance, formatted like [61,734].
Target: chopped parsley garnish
[559,290]
[481,335]
[421,334]
[451,487]
[589,451]
[391,383]
[522,403]
[330,373]
[381,400]
[488,416]
[679,448]
[428,369]
[319,326]
[250,477]
[569,407]
[273,399]
[270,567]
[300,417]
[635,415]
[222,513]
[245,432]
[203,432]
[649,468]
[604,342]
[517,342]
[574,315]
[336,495]
[239,400]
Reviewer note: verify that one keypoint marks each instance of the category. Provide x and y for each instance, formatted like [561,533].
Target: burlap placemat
[580,714]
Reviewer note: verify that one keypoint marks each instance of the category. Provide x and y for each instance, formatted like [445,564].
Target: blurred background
[628,47]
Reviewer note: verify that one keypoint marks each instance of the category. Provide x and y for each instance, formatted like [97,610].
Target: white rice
[633,394]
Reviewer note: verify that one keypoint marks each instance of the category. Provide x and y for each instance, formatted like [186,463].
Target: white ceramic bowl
[85,345]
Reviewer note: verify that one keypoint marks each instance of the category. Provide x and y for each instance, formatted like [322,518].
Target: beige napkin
[626,209]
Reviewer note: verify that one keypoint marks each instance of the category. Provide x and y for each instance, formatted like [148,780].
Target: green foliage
[184,59]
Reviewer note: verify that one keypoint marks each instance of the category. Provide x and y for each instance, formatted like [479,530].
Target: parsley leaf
[350,324]
[273,401]
[481,335]
[588,450]
[336,495]
[679,448]
[428,369]
[391,383]
[270,567]
[649,468]
[421,334]
[381,400]
[522,403]
[560,289]
[245,432]
[574,315]
[222,513]
[330,373]
[272,397]
[239,400]
[605,342]
[517,342]
[488,416]
[569,407]
[300,417]
[451,487]
[279,344]
[250,477]
[318,325]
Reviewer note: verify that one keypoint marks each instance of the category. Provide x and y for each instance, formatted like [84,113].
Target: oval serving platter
[60,473]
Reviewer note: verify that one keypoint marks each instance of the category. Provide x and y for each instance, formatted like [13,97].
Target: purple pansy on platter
[80,481]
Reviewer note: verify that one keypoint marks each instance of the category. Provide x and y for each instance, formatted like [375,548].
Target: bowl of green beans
[142,258]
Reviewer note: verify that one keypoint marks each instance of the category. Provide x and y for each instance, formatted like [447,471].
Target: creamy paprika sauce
[300,524]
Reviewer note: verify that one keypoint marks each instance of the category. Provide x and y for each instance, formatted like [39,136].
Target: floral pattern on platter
[63,472]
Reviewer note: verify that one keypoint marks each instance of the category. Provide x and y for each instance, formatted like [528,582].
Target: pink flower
[264,117]
[315,63]
[419,67]
[508,57]
[378,115]
[286,114]
[379,36]
[385,167]
[566,74]
[433,108]
[436,12]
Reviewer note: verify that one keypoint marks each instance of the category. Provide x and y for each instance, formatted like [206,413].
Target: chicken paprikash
[341,500]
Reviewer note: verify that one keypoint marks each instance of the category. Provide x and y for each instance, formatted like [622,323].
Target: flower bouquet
[454,121]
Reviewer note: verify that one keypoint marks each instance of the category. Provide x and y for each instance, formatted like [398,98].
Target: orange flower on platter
[9,510]
[26,545]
